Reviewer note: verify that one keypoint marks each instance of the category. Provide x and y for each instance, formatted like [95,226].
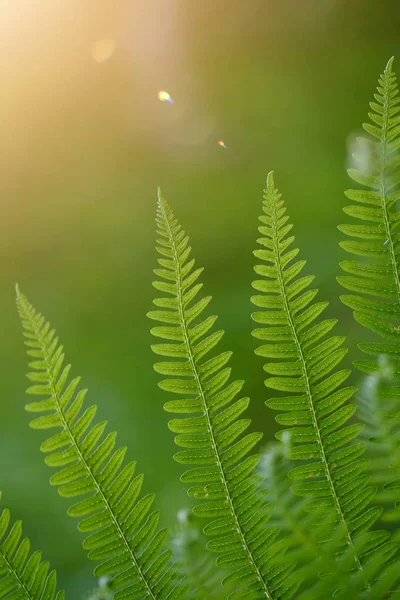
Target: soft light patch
[163,96]
[102,50]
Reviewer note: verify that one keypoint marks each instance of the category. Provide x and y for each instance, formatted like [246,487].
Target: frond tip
[213,437]
[301,362]
[23,574]
[124,535]
[373,276]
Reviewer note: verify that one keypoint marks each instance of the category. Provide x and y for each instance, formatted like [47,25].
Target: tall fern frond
[124,535]
[374,277]
[211,433]
[23,574]
[301,362]
[189,551]
[379,409]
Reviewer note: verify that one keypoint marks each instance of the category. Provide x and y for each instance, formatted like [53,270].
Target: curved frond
[209,429]
[23,574]
[374,275]
[301,362]
[122,527]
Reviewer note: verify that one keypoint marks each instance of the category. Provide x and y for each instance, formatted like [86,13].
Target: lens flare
[164,96]
[222,144]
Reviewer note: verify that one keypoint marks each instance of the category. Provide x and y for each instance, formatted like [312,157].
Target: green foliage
[302,521]
[104,590]
[312,544]
[189,550]
[124,536]
[211,432]
[375,276]
[380,411]
[288,513]
[303,363]
[23,574]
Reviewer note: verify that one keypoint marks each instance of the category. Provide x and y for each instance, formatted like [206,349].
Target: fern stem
[228,497]
[89,471]
[309,392]
[17,577]
[389,234]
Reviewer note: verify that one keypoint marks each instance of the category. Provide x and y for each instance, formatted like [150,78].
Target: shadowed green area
[86,144]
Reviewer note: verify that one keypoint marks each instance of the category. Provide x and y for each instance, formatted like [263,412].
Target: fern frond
[374,277]
[379,409]
[23,574]
[189,551]
[342,582]
[124,535]
[301,361]
[209,429]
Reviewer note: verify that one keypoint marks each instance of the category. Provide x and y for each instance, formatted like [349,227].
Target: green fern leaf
[317,411]
[23,574]
[124,535]
[342,582]
[315,539]
[209,428]
[374,278]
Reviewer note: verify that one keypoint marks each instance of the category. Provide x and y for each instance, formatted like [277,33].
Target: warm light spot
[103,50]
[164,96]
[222,144]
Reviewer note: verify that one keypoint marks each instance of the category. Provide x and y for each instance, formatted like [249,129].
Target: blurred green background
[84,144]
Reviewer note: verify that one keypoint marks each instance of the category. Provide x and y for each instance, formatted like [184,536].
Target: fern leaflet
[23,574]
[301,362]
[124,534]
[211,432]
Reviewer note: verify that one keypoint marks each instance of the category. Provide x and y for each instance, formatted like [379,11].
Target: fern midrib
[17,577]
[268,593]
[304,368]
[87,466]
[386,107]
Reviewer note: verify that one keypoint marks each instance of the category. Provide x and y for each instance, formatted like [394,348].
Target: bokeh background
[84,144]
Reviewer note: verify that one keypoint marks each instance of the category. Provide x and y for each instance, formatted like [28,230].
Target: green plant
[302,522]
